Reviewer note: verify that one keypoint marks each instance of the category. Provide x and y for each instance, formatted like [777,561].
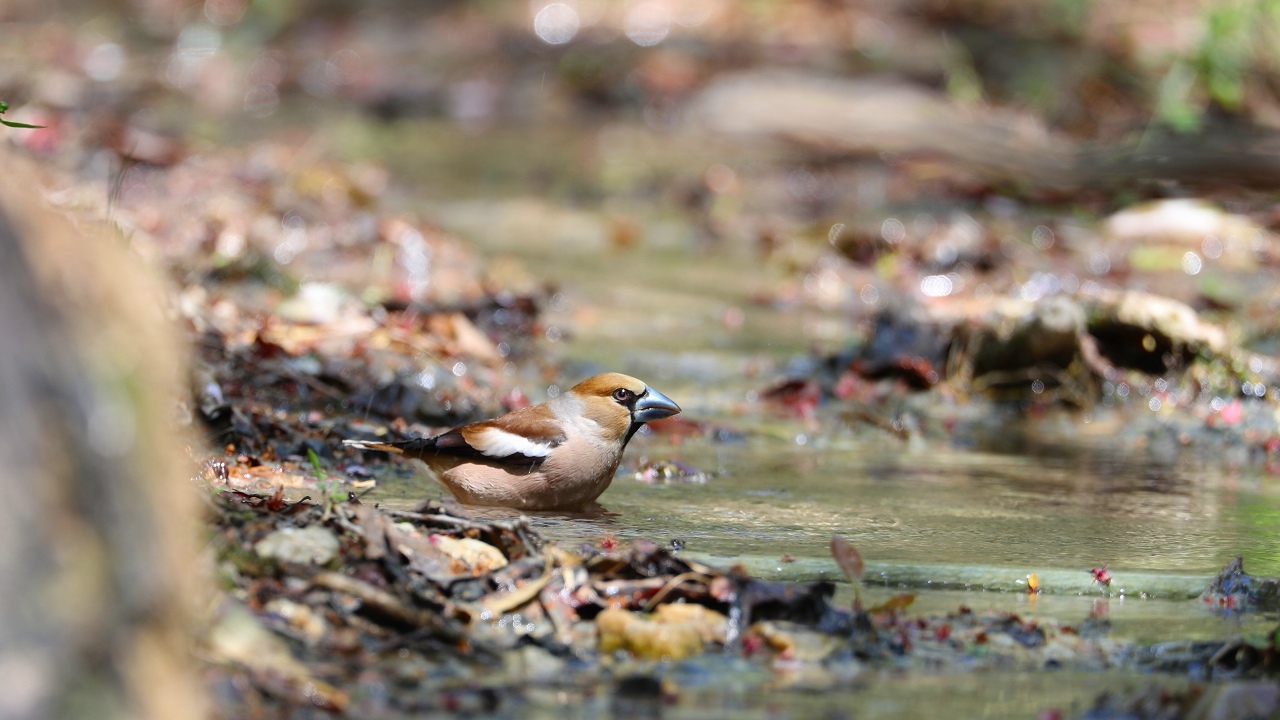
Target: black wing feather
[453,444]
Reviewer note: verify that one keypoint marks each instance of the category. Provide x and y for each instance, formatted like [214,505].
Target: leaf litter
[432,610]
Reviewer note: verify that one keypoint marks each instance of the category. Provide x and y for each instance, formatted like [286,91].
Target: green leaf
[315,463]
[18,124]
[1176,103]
[4,108]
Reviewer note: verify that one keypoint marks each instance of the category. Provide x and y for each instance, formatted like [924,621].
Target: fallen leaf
[847,557]
[897,603]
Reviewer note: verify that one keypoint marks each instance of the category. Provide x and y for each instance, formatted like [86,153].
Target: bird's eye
[623,394]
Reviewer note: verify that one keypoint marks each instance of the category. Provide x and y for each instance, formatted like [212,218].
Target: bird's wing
[522,438]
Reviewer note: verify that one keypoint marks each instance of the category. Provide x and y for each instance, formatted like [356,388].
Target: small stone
[312,544]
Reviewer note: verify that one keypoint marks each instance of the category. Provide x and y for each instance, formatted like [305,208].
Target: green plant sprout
[4,107]
[334,491]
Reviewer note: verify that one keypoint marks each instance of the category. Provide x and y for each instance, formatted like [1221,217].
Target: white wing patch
[496,443]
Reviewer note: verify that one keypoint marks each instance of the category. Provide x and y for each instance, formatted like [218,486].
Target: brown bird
[560,455]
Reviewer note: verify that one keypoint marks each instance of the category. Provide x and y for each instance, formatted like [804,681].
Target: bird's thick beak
[653,405]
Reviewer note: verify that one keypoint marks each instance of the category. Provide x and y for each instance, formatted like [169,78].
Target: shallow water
[932,507]
[787,486]
[899,695]
[871,694]
[956,524]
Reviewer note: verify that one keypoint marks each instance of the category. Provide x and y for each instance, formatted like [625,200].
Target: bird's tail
[396,448]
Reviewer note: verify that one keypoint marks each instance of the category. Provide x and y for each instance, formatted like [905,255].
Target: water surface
[933,506]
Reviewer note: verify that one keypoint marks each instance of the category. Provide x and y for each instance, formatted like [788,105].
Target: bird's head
[621,404]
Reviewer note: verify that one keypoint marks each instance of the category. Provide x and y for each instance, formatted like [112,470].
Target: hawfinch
[560,455]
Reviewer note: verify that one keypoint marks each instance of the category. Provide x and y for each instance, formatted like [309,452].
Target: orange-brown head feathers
[604,384]
[620,404]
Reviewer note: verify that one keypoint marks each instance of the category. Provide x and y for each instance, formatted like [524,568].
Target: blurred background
[986,286]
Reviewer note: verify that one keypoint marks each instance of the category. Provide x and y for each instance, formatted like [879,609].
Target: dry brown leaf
[847,558]
[896,603]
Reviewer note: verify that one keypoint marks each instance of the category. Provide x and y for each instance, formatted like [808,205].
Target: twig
[671,585]
[375,599]
[530,590]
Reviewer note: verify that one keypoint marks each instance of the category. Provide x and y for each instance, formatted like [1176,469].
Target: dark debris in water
[670,472]
[1235,590]
[1006,348]
[1152,365]
[1231,660]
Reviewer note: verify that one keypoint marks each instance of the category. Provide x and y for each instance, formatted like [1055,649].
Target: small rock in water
[670,471]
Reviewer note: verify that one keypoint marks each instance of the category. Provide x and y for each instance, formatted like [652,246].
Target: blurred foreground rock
[97,547]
